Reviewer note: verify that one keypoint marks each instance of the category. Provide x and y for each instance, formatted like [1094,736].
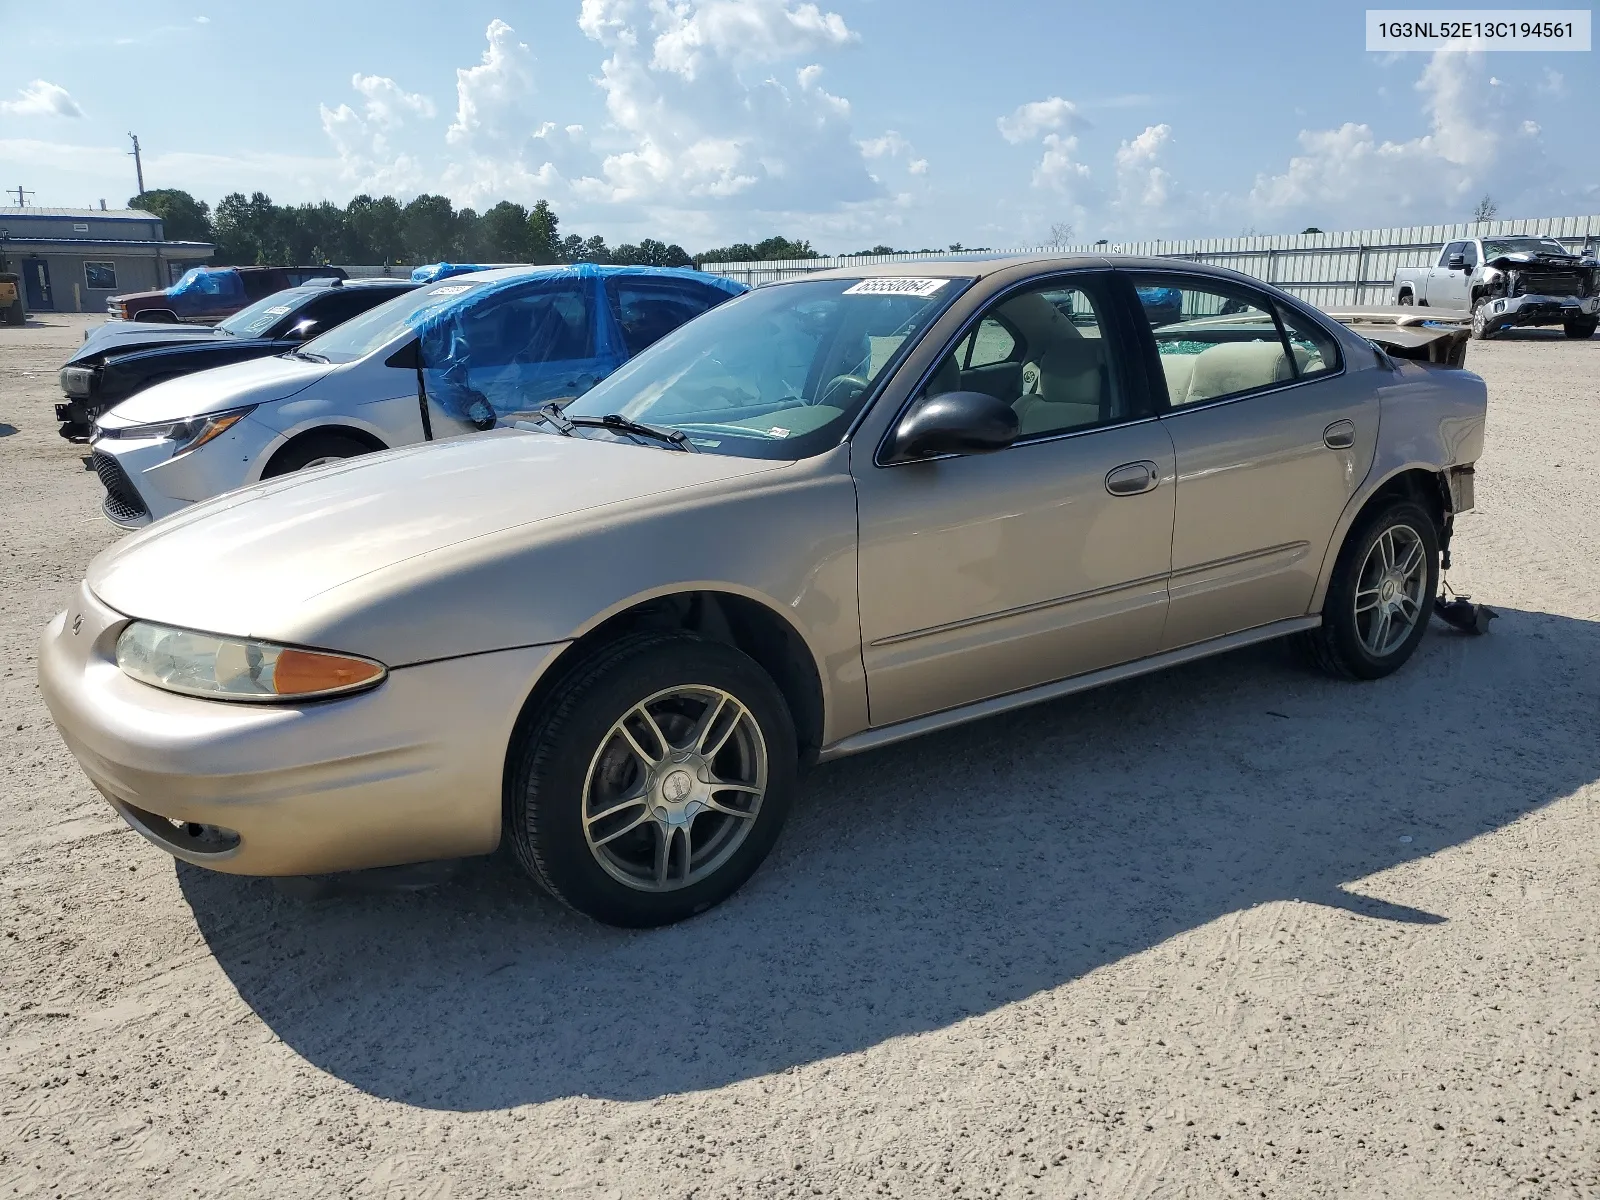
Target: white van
[447,359]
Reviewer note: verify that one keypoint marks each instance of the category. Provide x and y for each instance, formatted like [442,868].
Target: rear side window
[648,309]
[1216,341]
[258,284]
[1313,348]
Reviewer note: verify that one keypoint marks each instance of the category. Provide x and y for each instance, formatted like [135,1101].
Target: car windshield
[778,372]
[1495,247]
[375,328]
[261,316]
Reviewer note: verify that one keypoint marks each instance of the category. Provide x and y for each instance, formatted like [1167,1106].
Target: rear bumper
[407,772]
[1541,310]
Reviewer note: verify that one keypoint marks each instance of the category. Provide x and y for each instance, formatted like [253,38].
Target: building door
[36,279]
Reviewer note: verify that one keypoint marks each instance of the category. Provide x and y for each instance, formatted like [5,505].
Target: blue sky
[850,123]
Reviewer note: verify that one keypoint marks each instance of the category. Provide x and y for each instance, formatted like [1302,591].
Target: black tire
[1406,298]
[1336,646]
[550,756]
[1482,330]
[312,449]
[1581,329]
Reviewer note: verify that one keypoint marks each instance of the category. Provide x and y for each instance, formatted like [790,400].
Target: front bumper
[1541,310]
[145,481]
[407,772]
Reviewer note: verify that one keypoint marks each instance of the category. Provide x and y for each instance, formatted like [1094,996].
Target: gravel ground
[1233,931]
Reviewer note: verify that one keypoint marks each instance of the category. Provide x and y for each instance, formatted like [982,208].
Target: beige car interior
[1057,376]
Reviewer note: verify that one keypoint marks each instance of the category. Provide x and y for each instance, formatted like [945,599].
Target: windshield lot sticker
[778,431]
[451,289]
[922,288]
[277,310]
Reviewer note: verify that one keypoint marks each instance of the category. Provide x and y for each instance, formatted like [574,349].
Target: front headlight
[226,668]
[189,434]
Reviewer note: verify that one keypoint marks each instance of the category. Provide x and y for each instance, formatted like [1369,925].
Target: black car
[123,357]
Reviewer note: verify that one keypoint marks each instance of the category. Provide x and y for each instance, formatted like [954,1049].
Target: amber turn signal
[303,672]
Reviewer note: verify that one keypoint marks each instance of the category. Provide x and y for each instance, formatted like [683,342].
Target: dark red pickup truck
[206,295]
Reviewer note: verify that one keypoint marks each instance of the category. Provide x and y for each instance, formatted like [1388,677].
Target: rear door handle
[1341,435]
[1133,479]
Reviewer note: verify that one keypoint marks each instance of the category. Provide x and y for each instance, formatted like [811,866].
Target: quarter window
[1042,351]
[1219,341]
[100,276]
[1313,348]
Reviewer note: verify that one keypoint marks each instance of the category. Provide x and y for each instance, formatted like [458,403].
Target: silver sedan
[828,515]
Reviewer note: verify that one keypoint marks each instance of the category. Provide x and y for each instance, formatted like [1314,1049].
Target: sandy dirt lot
[1234,931]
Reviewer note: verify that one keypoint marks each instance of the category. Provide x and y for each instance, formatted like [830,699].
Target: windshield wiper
[675,438]
[309,357]
[552,416]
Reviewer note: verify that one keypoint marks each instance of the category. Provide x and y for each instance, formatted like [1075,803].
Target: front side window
[778,372]
[1045,352]
[1225,341]
[99,276]
[648,309]
[1450,251]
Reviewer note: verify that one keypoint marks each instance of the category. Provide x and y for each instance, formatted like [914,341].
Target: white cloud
[41,99]
[202,20]
[1348,178]
[742,33]
[493,98]
[1028,121]
[1145,190]
[361,138]
[387,102]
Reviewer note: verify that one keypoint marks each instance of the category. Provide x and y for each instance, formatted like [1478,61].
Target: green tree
[429,228]
[183,218]
[770,249]
[244,229]
[504,233]
[375,230]
[544,244]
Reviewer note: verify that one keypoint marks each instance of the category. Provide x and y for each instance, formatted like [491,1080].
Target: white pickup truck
[1508,281]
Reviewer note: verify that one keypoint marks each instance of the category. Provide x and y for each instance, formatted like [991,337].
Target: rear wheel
[1381,594]
[653,781]
[1582,328]
[1407,298]
[314,450]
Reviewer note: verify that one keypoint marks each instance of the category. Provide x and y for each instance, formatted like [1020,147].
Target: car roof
[495,274]
[979,266]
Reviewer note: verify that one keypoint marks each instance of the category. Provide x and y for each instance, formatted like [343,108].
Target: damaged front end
[1536,285]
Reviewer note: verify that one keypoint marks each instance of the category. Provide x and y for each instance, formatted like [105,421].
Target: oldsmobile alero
[825,516]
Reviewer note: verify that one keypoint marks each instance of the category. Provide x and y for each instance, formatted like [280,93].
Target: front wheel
[653,781]
[1381,595]
[1581,328]
[1482,326]
[314,450]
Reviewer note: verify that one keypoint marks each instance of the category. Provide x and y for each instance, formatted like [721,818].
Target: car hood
[267,560]
[255,381]
[115,337]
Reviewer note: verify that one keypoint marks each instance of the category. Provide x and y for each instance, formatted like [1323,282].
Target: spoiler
[1403,331]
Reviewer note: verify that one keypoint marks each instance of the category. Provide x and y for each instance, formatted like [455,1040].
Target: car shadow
[924,883]
[7,430]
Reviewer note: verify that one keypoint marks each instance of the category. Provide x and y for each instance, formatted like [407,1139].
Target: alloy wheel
[1389,597]
[674,788]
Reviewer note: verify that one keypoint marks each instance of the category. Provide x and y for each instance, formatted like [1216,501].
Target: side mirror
[954,423]
[301,330]
[1456,262]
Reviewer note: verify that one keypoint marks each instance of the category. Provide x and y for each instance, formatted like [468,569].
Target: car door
[1272,437]
[511,352]
[1447,285]
[987,574]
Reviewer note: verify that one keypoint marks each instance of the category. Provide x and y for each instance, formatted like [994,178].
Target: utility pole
[138,163]
[21,203]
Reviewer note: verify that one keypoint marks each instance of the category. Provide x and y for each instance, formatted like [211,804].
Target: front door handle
[1133,479]
[1341,435]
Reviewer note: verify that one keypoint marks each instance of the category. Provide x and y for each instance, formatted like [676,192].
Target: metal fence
[1353,267]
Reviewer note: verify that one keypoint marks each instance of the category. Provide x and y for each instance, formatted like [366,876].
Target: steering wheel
[856,381]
